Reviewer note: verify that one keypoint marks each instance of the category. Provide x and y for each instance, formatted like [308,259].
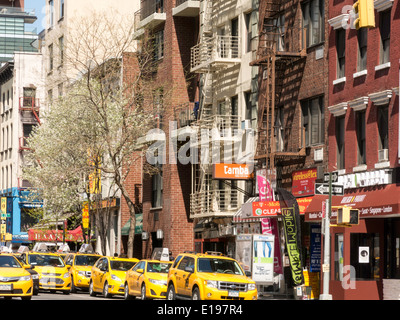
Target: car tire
[91,290]
[143,292]
[106,292]
[73,288]
[26,298]
[171,292]
[196,294]
[67,292]
[127,296]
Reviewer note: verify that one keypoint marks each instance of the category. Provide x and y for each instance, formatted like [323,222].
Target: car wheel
[127,296]
[67,292]
[196,294]
[26,298]
[106,292]
[171,292]
[73,288]
[91,290]
[143,293]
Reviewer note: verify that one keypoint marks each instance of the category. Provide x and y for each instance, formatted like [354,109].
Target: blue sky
[39,6]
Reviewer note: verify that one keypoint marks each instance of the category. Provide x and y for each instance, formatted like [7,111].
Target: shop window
[339,256]
[365,255]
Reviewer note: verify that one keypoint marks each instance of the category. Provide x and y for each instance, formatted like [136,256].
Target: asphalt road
[45,295]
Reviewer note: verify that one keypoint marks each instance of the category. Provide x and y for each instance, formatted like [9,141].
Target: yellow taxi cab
[108,275]
[15,280]
[209,276]
[53,273]
[80,267]
[147,279]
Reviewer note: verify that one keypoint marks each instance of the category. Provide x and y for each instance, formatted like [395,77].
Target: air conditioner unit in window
[383,155]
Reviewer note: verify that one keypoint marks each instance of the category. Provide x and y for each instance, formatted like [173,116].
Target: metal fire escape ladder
[274,55]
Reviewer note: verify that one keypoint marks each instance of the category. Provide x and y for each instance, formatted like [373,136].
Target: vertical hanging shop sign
[85,216]
[289,220]
[3,204]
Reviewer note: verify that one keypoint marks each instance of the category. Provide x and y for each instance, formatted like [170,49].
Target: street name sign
[335,177]
[323,188]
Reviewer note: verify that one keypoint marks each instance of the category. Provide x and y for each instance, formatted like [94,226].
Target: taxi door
[98,273]
[135,278]
[183,273]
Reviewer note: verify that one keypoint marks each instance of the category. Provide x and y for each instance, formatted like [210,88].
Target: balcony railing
[214,203]
[218,51]
[225,124]
[185,115]
[150,14]
[29,104]
[186,8]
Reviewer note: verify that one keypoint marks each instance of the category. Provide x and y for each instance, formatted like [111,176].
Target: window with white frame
[340,53]
[313,120]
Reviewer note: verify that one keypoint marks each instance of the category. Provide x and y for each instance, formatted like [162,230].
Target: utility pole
[326,230]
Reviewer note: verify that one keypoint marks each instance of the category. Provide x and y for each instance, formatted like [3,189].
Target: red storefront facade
[363,140]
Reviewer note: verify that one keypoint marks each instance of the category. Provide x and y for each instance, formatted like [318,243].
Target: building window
[251,109]
[234,106]
[159,45]
[383,127]
[340,52]
[362,49]
[51,57]
[279,128]
[61,47]
[235,37]
[340,130]
[247,18]
[51,13]
[384,26]
[157,189]
[313,21]
[313,120]
[360,132]
[61,9]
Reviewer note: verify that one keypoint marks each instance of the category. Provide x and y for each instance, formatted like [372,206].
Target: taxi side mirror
[189,269]
[248,274]
[28,266]
[139,270]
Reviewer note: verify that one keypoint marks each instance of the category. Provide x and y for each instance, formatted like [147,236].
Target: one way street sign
[322,188]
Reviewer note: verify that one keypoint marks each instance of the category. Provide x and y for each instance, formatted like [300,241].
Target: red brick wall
[180,34]
[353,88]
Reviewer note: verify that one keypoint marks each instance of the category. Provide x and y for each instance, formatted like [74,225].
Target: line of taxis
[209,276]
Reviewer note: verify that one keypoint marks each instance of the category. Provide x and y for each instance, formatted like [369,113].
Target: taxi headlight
[25,278]
[66,275]
[158,282]
[115,278]
[212,284]
[251,286]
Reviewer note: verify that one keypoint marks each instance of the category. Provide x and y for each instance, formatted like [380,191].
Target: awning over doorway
[138,227]
[380,201]
[55,235]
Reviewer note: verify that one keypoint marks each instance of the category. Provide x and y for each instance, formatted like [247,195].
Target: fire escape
[29,107]
[280,48]
[214,53]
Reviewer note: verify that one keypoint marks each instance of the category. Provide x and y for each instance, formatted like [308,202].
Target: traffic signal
[347,216]
[366,15]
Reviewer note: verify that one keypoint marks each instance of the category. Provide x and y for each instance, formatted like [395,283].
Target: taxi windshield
[121,265]
[158,267]
[45,260]
[9,262]
[215,265]
[85,260]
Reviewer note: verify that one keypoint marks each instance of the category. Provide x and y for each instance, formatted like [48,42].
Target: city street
[72,296]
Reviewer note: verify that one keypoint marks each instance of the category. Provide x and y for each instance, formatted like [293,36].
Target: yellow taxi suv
[208,276]
[147,279]
[53,273]
[108,276]
[80,268]
[15,280]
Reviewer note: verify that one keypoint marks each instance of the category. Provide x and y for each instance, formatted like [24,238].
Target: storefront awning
[55,235]
[138,227]
[237,218]
[380,201]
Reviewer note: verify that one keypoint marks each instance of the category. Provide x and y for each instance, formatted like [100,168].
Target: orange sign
[85,216]
[232,171]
